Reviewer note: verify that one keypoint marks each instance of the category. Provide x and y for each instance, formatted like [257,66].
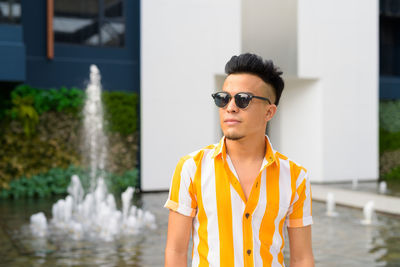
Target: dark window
[389,39]
[10,11]
[89,22]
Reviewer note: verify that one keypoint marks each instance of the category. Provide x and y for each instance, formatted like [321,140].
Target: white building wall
[296,130]
[341,49]
[328,117]
[184,44]
[269,28]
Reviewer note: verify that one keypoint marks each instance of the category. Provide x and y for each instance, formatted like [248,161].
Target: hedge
[56,181]
[121,108]
[121,112]
[389,115]
[39,132]
[389,139]
[393,175]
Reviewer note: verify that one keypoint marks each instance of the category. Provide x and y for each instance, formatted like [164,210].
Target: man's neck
[248,148]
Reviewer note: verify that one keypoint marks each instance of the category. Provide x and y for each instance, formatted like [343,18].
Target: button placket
[247,220]
[247,238]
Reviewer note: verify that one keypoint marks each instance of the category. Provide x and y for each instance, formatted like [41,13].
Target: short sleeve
[181,196]
[300,211]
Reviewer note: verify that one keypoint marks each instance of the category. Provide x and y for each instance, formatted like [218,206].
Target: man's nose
[231,106]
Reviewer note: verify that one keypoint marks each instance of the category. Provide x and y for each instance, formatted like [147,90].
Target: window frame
[101,19]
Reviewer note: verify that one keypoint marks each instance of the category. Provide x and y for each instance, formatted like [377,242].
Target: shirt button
[247,215]
[248,251]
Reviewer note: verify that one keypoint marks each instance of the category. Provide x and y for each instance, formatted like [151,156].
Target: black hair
[254,64]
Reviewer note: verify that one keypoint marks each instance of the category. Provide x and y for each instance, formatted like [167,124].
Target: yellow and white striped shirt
[228,230]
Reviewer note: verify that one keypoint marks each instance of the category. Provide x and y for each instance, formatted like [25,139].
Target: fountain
[94,215]
[355,183]
[330,205]
[38,224]
[382,187]
[368,212]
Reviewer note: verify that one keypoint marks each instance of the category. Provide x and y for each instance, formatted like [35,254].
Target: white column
[184,45]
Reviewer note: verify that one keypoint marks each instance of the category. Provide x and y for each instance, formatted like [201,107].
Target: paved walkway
[357,199]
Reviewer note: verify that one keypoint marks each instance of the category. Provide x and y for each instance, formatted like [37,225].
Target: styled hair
[254,64]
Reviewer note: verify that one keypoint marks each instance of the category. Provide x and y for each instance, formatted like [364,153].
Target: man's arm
[300,247]
[179,227]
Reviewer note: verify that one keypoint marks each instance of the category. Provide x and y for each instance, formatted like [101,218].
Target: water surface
[337,241]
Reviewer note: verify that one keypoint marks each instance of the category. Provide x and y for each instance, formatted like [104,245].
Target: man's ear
[270,112]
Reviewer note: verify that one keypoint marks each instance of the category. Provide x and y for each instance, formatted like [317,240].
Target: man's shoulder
[197,155]
[292,164]
[203,150]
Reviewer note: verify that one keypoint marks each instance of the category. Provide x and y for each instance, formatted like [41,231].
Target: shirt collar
[220,149]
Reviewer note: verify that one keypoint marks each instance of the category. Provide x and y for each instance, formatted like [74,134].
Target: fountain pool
[337,241]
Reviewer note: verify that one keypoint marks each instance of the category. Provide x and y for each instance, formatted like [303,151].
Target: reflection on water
[344,241]
[337,241]
[18,247]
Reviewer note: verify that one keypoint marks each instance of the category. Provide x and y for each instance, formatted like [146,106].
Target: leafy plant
[20,156]
[61,100]
[388,141]
[56,181]
[389,115]
[393,175]
[52,113]
[42,185]
[121,111]
[120,183]
[24,111]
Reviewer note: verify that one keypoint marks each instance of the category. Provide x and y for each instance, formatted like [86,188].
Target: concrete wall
[351,94]
[296,130]
[328,118]
[184,47]
[269,28]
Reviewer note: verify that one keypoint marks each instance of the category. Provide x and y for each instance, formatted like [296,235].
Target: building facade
[328,50]
[51,43]
[338,57]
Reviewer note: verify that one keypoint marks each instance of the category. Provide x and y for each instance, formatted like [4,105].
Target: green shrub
[120,183]
[121,112]
[25,113]
[53,182]
[56,181]
[121,107]
[61,100]
[21,156]
[393,175]
[388,141]
[389,115]
[56,144]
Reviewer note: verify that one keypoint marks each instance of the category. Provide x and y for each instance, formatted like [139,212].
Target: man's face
[238,123]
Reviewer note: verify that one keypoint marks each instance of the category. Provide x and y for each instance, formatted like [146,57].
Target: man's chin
[233,137]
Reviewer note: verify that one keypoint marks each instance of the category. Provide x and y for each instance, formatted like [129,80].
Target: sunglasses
[242,100]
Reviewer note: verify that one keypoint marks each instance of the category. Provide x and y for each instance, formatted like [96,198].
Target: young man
[237,196]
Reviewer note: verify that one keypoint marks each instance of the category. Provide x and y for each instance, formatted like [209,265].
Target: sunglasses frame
[246,93]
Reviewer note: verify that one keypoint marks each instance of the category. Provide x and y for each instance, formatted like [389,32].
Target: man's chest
[247,176]
[221,188]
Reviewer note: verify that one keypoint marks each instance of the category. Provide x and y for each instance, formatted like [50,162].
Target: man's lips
[231,121]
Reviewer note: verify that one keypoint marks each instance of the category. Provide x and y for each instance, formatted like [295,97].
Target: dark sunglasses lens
[242,100]
[221,99]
